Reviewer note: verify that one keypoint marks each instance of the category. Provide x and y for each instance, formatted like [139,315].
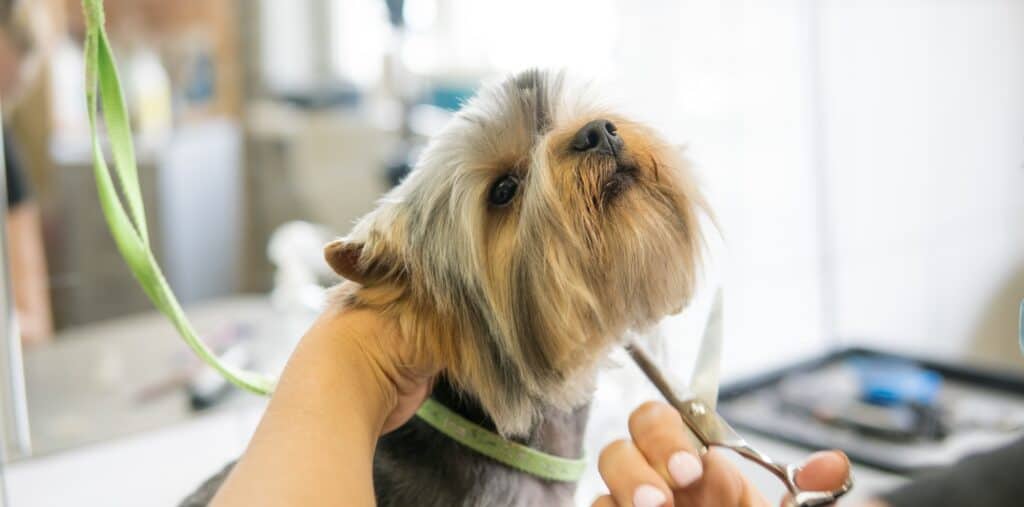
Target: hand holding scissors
[695,408]
[658,466]
[712,431]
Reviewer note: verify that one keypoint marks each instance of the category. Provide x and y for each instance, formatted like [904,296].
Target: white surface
[155,468]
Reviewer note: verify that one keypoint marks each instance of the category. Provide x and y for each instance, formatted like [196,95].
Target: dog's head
[536,229]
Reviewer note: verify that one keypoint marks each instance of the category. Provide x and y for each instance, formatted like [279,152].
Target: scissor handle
[787,473]
[802,498]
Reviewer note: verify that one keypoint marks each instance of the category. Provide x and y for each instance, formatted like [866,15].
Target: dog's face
[537,228]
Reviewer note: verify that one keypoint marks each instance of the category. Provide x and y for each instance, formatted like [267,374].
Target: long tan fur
[522,302]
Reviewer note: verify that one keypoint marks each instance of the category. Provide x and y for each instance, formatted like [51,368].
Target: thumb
[823,471]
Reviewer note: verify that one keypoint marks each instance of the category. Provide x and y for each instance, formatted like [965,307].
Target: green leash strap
[490,444]
[128,227]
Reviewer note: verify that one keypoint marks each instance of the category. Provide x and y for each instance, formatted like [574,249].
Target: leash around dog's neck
[488,443]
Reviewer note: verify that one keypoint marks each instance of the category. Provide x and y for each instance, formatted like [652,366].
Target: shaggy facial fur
[521,300]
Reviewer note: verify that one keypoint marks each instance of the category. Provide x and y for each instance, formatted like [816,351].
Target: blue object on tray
[894,382]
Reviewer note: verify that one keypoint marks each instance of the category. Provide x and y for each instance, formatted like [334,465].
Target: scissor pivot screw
[698,409]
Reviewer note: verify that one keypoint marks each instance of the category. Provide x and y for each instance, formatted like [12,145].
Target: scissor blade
[679,399]
[704,380]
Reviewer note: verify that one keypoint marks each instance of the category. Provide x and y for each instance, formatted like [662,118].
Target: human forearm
[315,443]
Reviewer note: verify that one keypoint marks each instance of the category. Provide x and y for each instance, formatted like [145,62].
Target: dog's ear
[343,257]
[366,263]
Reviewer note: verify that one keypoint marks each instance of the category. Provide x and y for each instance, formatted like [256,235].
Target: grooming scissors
[697,408]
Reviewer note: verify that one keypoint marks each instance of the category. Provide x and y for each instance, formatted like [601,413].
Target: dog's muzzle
[598,136]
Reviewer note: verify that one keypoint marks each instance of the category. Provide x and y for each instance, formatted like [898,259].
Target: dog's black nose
[600,136]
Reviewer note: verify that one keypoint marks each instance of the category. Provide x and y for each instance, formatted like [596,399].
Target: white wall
[924,143]
[866,160]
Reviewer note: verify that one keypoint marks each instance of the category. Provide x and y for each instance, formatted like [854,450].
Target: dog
[537,229]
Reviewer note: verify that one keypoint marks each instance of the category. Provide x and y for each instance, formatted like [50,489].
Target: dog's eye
[504,190]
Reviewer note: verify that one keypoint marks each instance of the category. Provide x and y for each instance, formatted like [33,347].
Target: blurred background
[865,161]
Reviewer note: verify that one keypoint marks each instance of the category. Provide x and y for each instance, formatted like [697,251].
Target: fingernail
[831,457]
[648,496]
[822,454]
[685,468]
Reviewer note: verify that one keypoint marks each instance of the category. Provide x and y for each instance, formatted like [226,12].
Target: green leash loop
[128,227]
[490,444]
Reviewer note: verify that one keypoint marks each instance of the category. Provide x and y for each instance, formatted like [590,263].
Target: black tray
[745,404]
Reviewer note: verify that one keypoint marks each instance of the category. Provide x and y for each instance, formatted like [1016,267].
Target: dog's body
[537,229]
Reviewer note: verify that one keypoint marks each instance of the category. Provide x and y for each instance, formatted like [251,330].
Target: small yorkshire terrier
[537,229]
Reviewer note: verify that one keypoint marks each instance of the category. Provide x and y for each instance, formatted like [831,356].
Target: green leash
[490,444]
[127,221]
[128,226]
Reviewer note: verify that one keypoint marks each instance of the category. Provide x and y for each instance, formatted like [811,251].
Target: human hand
[350,379]
[659,467]
[402,380]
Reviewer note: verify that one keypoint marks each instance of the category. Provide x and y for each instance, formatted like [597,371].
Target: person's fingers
[604,501]
[658,432]
[630,479]
[823,471]
[721,484]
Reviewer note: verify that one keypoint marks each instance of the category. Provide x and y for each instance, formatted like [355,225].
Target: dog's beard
[521,302]
[614,250]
